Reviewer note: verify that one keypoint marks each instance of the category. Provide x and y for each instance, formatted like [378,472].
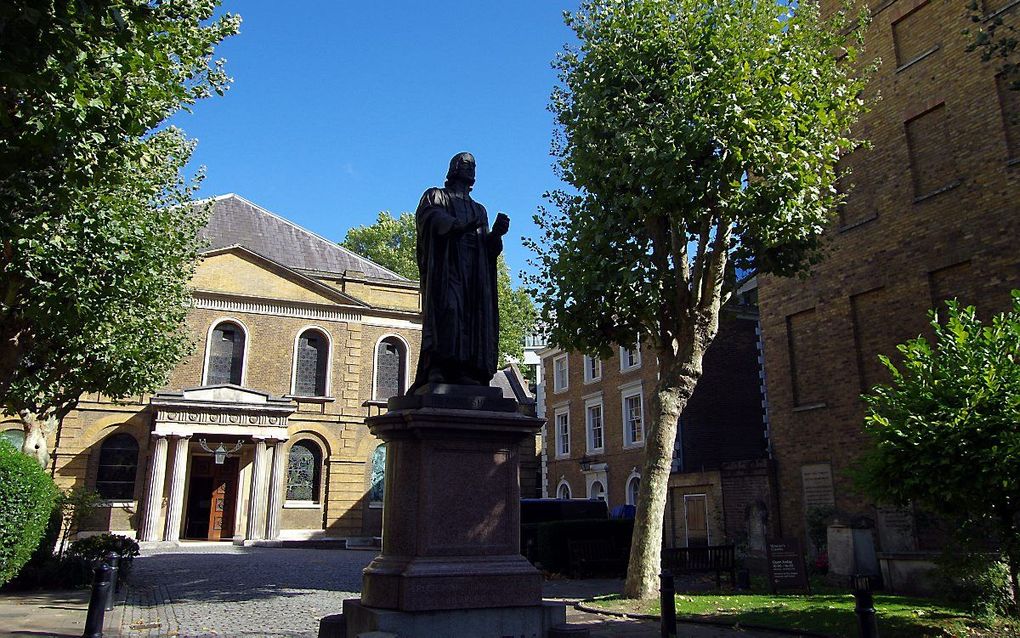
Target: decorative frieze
[220,418]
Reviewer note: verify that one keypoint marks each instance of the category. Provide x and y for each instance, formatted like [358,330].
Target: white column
[257,495]
[275,493]
[177,478]
[149,529]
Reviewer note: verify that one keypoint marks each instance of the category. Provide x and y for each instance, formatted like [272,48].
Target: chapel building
[259,435]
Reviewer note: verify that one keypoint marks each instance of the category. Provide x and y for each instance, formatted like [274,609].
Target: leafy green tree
[697,136]
[97,228]
[946,430]
[391,242]
[26,500]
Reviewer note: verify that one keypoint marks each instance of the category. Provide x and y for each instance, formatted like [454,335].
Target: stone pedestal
[451,562]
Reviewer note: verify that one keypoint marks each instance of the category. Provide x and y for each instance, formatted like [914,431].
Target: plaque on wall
[817,483]
[787,570]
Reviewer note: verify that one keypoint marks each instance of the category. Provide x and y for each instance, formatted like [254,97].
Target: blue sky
[342,109]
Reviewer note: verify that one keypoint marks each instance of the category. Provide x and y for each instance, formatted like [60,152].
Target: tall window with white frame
[633,419]
[596,435]
[562,433]
[310,364]
[592,369]
[560,377]
[597,491]
[564,491]
[630,358]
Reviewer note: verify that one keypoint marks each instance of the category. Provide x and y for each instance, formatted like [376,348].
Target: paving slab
[57,614]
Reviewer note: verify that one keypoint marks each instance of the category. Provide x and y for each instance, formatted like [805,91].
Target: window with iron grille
[377,482]
[303,470]
[118,465]
[390,365]
[226,354]
[312,359]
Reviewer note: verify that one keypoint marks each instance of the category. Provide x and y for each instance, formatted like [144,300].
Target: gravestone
[817,484]
[896,530]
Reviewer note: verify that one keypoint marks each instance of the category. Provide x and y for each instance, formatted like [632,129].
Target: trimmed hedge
[27,494]
[551,550]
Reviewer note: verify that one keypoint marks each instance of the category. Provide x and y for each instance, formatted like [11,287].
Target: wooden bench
[594,556]
[692,560]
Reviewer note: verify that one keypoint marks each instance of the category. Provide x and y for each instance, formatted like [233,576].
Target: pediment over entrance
[225,393]
[228,410]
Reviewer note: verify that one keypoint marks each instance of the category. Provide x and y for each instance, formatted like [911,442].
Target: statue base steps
[358,621]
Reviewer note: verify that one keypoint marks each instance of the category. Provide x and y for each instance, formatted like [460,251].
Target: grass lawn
[828,612]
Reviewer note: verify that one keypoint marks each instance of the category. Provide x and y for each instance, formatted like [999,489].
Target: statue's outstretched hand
[501,225]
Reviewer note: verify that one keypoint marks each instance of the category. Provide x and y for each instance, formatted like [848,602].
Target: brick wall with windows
[945,223]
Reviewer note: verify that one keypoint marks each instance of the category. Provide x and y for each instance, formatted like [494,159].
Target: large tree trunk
[37,429]
[674,388]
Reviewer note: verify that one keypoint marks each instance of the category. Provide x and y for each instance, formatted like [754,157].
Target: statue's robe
[460,317]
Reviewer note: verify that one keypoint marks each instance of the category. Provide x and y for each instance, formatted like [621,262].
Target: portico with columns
[217,466]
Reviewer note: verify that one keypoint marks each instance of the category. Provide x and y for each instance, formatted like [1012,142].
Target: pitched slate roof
[236,221]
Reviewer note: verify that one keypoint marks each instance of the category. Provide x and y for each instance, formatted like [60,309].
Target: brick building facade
[595,422]
[293,336]
[932,214]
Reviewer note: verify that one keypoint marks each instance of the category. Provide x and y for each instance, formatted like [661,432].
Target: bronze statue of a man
[457,267]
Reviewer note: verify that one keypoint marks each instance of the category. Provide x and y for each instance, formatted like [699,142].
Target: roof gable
[237,221]
[239,271]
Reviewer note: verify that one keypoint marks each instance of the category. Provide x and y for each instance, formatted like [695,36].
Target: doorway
[212,499]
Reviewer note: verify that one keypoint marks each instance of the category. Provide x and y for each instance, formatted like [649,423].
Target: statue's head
[462,169]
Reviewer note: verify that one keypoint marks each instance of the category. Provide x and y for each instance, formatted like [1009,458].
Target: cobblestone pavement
[208,590]
[222,590]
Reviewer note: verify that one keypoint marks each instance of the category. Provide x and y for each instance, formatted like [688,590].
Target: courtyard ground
[206,590]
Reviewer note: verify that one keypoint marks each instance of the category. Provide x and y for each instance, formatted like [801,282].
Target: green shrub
[27,494]
[94,548]
[552,539]
[977,581]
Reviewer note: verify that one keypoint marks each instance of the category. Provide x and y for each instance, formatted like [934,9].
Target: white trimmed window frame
[557,386]
[589,404]
[591,490]
[629,392]
[561,435]
[626,365]
[208,348]
[592,369]
[329,359]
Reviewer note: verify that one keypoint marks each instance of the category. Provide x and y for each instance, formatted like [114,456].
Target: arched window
[633,485]
[303,472]
[377,481]
[563,492]
[390,368]
[15,437]
[118,465]
[310,368]
[597,490]
[226,354]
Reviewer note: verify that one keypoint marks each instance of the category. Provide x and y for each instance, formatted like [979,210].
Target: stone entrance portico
[217,414]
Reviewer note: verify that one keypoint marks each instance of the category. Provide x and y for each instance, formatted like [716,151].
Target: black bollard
[97,602]
[113,560]
[667,604]
[864,606]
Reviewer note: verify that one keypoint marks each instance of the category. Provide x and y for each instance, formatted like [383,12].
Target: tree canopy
[391,242]
[696,137]
[946,429]
[97,226]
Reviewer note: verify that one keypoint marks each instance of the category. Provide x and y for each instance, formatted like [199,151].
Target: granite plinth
[451,526]
[358,620]
[449,396]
